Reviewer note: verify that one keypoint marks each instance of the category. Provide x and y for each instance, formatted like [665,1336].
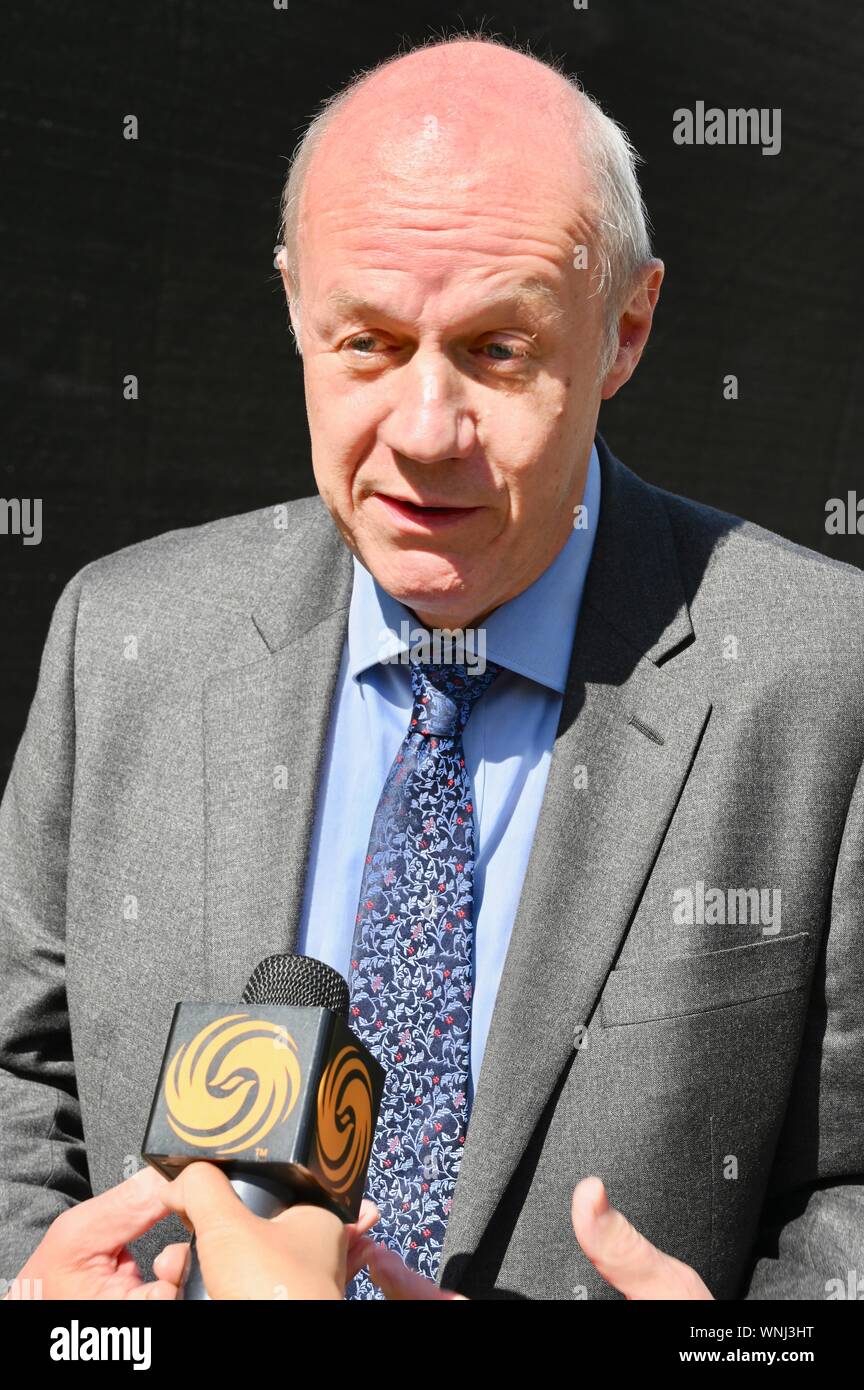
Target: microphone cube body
[268,1091]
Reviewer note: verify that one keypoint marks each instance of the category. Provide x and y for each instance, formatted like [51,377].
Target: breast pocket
[680,985]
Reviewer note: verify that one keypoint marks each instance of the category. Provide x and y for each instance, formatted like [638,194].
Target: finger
[161,1290]
[367,1218]
[169,1263]
[398,1282]
[622,1255]
[119,1215]
[203,1197]
[356,1253]
[357,1256]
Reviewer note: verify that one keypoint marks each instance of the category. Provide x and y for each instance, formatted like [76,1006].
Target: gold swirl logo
[344,1120]
[227,1088]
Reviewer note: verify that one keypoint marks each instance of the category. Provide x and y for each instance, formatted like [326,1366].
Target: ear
[634,327]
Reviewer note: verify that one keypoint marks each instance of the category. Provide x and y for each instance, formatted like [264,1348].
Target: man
[597,893]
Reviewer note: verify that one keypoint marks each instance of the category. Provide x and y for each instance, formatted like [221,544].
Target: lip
[417,516]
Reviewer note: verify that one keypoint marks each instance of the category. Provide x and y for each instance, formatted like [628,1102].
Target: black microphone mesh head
[301,981]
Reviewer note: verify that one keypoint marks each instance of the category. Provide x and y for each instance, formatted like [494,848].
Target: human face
[450,354]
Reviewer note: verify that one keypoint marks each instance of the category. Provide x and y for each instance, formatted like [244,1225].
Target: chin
[424,581]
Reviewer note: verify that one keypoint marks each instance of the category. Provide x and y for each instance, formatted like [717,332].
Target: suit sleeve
[43,1162]
[811,1241]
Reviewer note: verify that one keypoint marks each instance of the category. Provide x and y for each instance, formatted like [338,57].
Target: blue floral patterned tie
[411,968]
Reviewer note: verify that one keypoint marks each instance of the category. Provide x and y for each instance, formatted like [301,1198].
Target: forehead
[404,252]
[500,198]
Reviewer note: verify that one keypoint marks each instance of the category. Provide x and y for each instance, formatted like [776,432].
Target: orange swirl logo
[344,1120]
[227,1088]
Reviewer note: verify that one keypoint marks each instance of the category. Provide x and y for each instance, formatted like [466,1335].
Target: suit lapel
[265,727]
[635,729]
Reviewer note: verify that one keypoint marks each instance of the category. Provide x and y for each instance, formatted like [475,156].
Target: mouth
[421,516]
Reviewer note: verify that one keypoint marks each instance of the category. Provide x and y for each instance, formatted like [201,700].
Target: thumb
[623,1256]
[203,1196]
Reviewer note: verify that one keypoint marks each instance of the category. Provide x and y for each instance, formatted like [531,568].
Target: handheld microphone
[277,1091]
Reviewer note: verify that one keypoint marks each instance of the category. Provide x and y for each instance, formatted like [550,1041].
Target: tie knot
[444,696]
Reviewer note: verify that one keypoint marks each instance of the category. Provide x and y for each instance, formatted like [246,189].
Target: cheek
[336,410]
[531,443]
[341,428]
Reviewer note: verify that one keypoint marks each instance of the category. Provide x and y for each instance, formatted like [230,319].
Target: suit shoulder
[765,567]
[225,562]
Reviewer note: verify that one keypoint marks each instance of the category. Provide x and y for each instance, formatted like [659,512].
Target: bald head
[459,114]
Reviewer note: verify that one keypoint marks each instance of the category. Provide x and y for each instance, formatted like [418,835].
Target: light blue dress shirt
[508,743]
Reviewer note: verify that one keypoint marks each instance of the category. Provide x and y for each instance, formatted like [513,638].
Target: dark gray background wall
[154,257]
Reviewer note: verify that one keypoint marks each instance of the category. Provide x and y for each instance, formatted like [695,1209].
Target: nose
[429,421]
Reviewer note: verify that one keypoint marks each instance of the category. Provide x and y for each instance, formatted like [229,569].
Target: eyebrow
[532,295]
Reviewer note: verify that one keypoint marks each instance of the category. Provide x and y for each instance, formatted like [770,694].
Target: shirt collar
[532,634]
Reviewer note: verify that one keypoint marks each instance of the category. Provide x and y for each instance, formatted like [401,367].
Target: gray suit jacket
[710,1071]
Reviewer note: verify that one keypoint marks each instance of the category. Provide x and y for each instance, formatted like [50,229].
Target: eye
[362,342]
[500,354]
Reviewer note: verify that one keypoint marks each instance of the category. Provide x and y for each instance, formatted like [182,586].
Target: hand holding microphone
[279,1093]
[305,1252]
[84,1255]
